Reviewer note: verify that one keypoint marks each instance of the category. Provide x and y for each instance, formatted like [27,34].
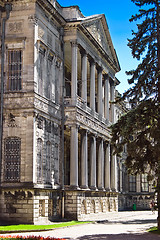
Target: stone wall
[86,206]
[16,206]
[125,202]
[47,206]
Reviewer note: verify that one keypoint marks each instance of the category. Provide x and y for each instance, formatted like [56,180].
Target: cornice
[45,4]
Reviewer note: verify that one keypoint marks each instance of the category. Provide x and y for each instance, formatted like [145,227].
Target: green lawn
[21,227]
[154,230]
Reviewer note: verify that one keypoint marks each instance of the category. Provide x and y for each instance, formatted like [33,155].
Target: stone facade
[59,80]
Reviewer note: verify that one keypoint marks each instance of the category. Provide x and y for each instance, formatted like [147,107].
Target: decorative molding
[33,19]
[11,121]
[15,27]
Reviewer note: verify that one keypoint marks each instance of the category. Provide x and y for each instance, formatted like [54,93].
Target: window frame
[144,182]
[12,166]
[15,69]
[132,183]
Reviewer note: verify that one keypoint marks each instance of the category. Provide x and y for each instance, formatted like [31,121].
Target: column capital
[75,125]
[74,43]
[83,131]
[91,60]
[83,52]
[106,76]
[100,69]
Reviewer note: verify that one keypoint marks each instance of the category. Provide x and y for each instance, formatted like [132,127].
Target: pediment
[98,28]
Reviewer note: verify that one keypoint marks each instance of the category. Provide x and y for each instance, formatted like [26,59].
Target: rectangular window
[144,183]
[14,70]
[132,183]
[12,158]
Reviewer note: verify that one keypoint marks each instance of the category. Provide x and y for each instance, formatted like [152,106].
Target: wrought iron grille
[14,70]
[12,157]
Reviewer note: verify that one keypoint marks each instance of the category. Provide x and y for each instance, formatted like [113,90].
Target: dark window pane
[12,157]
[14,70]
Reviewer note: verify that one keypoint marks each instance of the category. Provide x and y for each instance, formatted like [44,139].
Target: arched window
[39,160]
[12,159]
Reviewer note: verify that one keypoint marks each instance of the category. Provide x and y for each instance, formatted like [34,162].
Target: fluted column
[112,100]
[92,85]
[84,159]
[84,75]
[100,105]
[107,167]
[74,47]
[74,157]
[93,163]
[106,98]
[100,165]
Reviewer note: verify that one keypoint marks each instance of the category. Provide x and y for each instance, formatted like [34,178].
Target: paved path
[118,226]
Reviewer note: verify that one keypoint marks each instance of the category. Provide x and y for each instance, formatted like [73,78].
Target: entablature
[89,120]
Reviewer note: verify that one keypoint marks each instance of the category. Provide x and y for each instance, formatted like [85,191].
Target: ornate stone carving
[40,32]
[33,19]
[11,121]
[15,27]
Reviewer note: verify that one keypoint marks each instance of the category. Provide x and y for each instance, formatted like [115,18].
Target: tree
[139,128]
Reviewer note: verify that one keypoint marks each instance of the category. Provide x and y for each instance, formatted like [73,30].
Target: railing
[81,103]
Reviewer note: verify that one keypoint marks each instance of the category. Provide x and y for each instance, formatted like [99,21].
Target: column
[84,75]
[100,105]
[93,162]
[92,85]
[106,98]
[84,160]
[112,100]
[74,157]
[100,165]
[113,172]
[120,178]
[107,167]
[74,47]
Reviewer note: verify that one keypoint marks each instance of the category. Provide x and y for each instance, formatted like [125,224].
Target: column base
[113,190]
[101,188]
[72,187]
[93,188]
[84,187]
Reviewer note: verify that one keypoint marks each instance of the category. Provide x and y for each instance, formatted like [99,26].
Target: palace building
[57,83]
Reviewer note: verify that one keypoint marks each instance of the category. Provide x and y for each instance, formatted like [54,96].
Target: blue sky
[118,13]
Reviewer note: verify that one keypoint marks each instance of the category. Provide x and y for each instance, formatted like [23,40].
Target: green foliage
[139,128]
[144,46]
[154,230]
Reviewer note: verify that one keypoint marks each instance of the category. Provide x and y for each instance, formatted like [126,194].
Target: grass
[154,230]
[20,228]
